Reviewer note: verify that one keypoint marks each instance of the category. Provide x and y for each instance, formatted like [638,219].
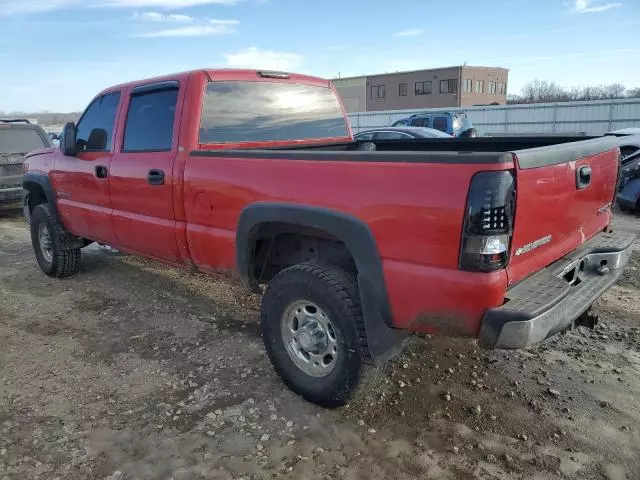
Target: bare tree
[540,91]
[634,93]
[615,90]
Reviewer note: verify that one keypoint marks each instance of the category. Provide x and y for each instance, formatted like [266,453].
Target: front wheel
[313,332]
[46,237]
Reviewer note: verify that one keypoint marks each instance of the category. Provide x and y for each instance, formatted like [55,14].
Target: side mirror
[68,140]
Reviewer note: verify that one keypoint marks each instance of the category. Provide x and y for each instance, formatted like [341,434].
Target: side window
[95,128]
[420,122]
[364,136]
[440,123]
[390,136]
[150,119]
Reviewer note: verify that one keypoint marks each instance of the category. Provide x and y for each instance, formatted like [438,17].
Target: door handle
[101,171]
[583,177]
[155,177]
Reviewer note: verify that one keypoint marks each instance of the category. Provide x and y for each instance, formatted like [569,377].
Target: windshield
[19,140]
[268,111]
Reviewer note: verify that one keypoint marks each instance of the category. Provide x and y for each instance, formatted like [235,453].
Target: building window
[423,88]
[491,87]
[468,85]
[402,89]
[449,86]
[479,86]
[500,88]
[377,91]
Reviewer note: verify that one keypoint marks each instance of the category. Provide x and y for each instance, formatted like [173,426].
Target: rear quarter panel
[414,211]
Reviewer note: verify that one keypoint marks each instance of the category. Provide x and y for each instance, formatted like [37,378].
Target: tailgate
[564,197]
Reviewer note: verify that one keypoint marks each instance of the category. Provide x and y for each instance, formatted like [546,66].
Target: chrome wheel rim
[310,339]
[44,238]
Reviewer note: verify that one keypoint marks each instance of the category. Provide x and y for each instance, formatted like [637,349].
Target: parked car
[629,144]
[625,131]
[399,133]
[258,173]
[629,187]
[456,124]
[17,137]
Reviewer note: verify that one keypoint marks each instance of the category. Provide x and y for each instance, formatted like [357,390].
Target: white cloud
[16,7]
[591,6]
[257,58]
[412,32]
[159,17]
[207,29]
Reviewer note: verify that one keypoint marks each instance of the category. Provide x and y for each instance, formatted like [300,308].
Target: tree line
[541,91]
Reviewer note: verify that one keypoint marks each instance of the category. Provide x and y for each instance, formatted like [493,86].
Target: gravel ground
[131,370]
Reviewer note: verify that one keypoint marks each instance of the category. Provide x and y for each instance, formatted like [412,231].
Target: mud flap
[383,342]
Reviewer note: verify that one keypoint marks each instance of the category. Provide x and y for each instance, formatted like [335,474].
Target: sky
[56,55]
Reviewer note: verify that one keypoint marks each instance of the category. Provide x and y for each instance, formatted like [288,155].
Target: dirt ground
[131,370]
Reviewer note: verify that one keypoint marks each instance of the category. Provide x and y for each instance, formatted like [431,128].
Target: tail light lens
[488,222]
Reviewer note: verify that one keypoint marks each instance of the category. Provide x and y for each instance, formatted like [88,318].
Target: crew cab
[353,244]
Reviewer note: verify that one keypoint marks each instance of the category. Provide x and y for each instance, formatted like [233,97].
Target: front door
[141,178]
[81,183]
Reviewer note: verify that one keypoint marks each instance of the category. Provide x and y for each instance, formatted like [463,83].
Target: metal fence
[588,118]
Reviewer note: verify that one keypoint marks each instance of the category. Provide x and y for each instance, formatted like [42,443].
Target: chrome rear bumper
[552,299]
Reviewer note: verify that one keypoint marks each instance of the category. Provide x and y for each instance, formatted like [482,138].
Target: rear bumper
[552,299]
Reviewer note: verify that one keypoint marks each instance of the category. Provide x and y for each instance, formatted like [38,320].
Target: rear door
[141,178]
[81,183]
[564,198]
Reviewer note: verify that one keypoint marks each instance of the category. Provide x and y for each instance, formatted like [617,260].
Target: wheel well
[276,246]
[36,195]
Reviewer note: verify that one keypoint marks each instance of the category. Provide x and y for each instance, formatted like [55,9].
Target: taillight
[488,222]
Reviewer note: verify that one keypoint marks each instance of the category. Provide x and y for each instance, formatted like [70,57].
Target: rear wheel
[313,332]
[46,238]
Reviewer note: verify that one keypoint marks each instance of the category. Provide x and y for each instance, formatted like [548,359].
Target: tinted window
[390,136]
[95,128]
[269,111]
[20,140]
[363,136]
[150,121]
[420,122]
[440,123]
[402,89]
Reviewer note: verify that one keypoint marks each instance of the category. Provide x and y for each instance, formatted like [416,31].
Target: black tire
[58,262]
[336,293]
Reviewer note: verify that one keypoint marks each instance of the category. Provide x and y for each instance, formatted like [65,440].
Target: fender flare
[42,180]
[383,340]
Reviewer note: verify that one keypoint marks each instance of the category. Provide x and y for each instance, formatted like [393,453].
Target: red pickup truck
[506,240]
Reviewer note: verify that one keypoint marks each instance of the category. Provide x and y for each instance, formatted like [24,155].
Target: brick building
[434,88]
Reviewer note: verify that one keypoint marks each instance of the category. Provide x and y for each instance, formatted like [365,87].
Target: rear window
[268,111]
[20,140]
